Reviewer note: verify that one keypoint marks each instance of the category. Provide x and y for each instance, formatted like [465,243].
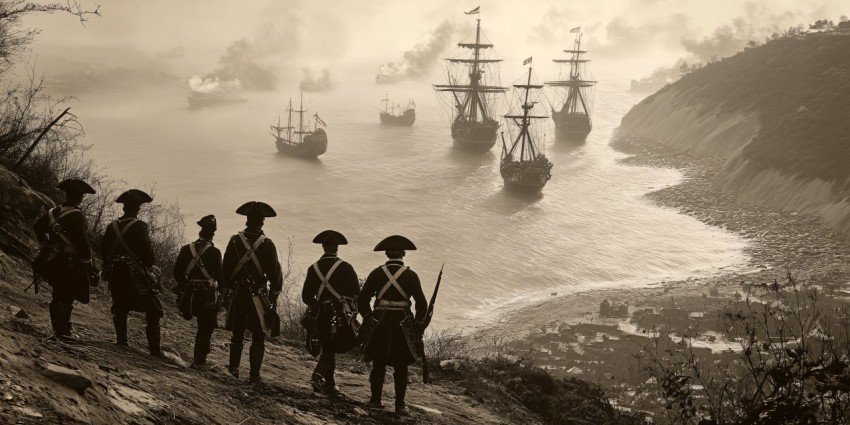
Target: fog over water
[591,228]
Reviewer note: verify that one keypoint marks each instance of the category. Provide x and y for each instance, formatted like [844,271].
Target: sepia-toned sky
[292,34]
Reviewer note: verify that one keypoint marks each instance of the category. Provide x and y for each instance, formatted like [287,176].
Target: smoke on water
[312,82]
[419,60]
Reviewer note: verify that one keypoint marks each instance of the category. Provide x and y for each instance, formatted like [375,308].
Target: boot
[400,382]
[316,382]
[64,311]
[256,354]
[235,358]
[376,383]
[120,323]
[153,334]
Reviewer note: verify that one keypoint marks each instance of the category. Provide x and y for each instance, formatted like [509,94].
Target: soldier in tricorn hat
[129,264]
[65,257]
[390,329]
[197,271]
[252,275]
[329,282]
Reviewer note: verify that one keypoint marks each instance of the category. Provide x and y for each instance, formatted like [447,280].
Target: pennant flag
[575,30]
[319,120]
[473,11]
[527,61]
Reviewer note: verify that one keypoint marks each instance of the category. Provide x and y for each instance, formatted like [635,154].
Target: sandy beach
[569,336]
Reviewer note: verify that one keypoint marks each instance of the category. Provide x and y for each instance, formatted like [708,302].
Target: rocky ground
[95,381]
[569,336]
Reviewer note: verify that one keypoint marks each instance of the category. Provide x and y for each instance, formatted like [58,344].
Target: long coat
[65,272]
[391,341]
[126,293]
[195,299]
[266,253]
[343,280]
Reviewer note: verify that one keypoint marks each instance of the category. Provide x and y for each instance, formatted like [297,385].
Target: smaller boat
[304,142]
[396,115]
[524,167]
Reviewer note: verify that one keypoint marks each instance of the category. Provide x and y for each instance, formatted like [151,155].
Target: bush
[793,366]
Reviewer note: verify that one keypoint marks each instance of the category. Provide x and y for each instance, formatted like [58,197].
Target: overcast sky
[340,34]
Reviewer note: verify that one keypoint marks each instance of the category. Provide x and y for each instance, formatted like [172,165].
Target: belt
[326,302]
[392,305]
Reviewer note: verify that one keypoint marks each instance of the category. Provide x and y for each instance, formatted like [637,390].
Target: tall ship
[301,141]
[396,115]
[473,84]
[572,120]
[524,167]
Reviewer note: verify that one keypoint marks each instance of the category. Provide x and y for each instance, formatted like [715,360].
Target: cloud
[421,59]
[316,83]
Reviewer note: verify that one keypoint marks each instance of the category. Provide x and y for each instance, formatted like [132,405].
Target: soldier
[250,261]
[329,281]
[129,259]
[389,332]
[65,255]
[197,271]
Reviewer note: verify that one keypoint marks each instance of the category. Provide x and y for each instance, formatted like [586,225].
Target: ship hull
[313,145]
[571,127]
[406,119]
[525,177]
[474,136]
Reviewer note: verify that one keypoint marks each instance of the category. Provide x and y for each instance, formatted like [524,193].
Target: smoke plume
[315,83]
[725,41]
[421,59]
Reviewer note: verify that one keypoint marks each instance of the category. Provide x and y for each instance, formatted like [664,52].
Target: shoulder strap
[326,284]
[393,282]
[250,250]
[55,227]
[119,237]
[197,262]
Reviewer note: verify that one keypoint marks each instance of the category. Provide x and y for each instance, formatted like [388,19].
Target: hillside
[776,112]
[95,381]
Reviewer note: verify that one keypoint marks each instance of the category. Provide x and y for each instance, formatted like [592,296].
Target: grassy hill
[800,88]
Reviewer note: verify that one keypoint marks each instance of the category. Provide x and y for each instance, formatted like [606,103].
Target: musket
[426,373]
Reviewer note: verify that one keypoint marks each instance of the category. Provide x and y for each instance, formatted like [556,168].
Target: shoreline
[778,243]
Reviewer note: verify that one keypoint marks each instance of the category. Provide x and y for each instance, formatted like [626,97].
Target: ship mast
[386,101]
[575,102]
[472,104]
[527,150]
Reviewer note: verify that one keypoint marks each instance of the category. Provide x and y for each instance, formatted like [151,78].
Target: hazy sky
[293,34]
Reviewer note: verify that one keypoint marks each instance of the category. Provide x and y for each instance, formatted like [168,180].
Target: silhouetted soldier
[65,257]
[250,262]
[328,281]
[129,259]
[197,271]
[390,331]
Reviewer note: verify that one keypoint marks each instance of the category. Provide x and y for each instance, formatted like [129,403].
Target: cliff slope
[777,113]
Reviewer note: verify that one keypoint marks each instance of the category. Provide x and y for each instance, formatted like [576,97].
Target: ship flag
[319,121]
[575,30]
[527,61]
[473,11]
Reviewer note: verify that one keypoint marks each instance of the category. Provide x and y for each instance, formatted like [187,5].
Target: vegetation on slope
[800,86]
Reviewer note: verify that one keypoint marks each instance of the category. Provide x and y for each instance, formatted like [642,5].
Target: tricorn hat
[134,197]
[330,237]
[76,185]
[208,222]
[395,243]
[256,209]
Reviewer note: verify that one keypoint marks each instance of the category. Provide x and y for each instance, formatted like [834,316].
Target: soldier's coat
[390,343]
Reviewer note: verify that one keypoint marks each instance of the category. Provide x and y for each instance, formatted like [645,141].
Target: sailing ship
[396,115]
[572,121]
[524,167]
[473,126]
[304,142]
